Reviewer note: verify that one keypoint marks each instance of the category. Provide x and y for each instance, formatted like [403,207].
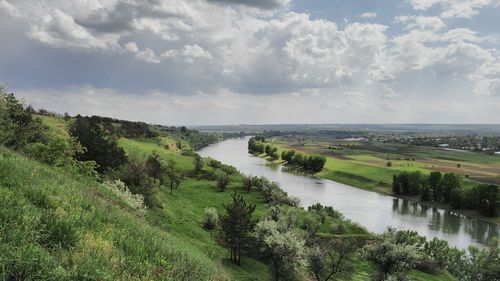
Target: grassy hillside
[58,227]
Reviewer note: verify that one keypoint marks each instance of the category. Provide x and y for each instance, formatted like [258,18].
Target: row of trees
[448,188]
[309,163]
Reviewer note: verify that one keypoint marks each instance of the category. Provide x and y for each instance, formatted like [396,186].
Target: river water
[372,210]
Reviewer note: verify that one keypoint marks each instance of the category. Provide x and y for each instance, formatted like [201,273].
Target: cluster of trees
[448,188]
[396,252]
[194,138]
[312,163]
[278,237]
[123,128]
[309,163]
[22,131]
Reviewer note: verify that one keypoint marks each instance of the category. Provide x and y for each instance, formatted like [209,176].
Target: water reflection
[372,210]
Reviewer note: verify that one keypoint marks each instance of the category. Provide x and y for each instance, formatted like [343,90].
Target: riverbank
[365,183]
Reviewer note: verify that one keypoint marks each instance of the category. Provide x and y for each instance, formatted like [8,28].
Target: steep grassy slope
[56,227]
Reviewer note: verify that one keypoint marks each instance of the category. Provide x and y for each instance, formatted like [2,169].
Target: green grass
[56,227]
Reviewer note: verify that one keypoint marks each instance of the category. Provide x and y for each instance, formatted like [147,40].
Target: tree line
[309,163]
[448,188]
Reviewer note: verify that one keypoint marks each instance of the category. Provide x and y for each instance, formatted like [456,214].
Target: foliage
[283,245]
[154,167]
[448,188]
[329,257]
[99,146]
[198,164]
[392,258]
[135,201]
[18,127]
[211,218]
[222,180]
[173,174]
[236,227]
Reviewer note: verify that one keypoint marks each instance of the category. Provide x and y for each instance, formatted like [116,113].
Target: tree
[198,164]
[389,164]
[450,181]
[237,226]
[267,150]
[391,257]
[396,186]
[211,218]
[99,147]
[435,185]
[487,196]
[247,183]
[425,190]
[154,167]
[17,125]
[173,175]
[222,180]
[283,246]
[328,257]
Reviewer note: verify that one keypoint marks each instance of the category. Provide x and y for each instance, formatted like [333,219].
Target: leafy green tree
[450,181]
[396,186]
[99,147]
[222,180]
[174,176]
[247,183]
[236,227]
[393,259]
[283,246]
[198,164]
[18,127]
[154,167]
[425,190]
[267,150]
[436,186]
[328,257]
[487,196]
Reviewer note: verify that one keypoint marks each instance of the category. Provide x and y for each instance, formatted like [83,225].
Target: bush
[135,201]
[211,219]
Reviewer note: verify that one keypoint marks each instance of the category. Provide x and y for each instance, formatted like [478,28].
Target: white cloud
[201,49]
[455,8]
[368,15]
[147,55]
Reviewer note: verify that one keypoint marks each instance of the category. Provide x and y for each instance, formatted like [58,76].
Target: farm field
[366,164]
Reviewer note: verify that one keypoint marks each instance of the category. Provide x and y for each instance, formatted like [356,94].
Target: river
[372,210]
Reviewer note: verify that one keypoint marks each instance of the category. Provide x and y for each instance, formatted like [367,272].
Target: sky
[201,62]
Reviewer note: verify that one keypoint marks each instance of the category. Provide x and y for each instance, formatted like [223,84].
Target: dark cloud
[121,16]
[262,4]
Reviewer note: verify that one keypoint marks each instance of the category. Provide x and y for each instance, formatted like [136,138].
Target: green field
[364,164]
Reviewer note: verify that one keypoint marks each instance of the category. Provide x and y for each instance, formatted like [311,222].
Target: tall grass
[53,227]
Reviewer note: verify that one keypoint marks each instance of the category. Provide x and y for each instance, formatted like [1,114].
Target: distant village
[489,144]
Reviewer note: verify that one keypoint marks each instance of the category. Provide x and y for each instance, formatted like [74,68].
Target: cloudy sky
[199,62]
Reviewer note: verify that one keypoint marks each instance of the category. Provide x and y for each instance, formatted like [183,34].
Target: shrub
[135,201]
[211,218]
